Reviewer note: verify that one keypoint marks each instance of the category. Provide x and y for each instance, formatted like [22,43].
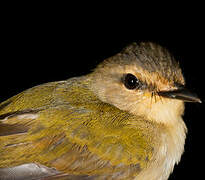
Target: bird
[123,120]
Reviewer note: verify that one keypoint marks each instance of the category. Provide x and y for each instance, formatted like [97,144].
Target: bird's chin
[162,110]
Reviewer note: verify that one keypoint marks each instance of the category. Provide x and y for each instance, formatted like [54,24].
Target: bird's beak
[181,94]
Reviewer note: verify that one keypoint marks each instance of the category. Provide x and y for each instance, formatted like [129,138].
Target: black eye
[130,81]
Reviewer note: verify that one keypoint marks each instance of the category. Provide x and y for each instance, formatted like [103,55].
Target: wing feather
[79,136]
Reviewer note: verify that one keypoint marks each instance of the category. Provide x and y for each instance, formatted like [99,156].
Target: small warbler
[121,121]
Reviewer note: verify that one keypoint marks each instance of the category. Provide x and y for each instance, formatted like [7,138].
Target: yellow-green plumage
[71,118]
[122,121]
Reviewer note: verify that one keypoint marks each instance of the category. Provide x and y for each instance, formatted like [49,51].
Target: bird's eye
[130,81]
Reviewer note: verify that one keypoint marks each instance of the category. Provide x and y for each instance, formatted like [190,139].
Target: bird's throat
[165,111]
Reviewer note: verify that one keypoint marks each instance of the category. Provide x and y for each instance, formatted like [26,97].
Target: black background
[53,43]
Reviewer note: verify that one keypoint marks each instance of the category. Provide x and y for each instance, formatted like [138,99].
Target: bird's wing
[34,171]
[71,177]
[75,135]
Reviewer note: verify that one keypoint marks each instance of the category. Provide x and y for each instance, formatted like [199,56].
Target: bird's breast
[172,140]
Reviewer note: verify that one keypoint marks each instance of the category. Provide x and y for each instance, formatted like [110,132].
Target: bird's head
[144,79]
